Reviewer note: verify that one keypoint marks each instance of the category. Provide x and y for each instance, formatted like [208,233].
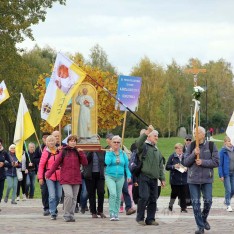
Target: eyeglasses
[188,139]
[116,142]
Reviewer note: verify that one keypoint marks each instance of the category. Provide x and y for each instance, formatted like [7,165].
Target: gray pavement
[26,217]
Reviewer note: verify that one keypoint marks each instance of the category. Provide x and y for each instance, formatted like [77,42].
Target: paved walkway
[26,217]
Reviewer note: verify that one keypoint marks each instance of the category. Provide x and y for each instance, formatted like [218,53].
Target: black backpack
[135,164]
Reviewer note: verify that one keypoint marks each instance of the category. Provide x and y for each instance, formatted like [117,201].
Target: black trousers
[96,185]
[180,192]
[45,196]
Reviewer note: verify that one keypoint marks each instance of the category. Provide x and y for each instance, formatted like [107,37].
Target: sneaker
[170,208]
[112,217]
[53,217]
[6,199]
[24,197]
[18,198]
[116,218]
[69,219]
[46,212]
[130,211]
[184,211]
[229,208]
[142,223]
[102,215]
[13,202]
[121,209]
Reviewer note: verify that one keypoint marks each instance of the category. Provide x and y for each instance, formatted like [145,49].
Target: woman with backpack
[69,159]
[48,157]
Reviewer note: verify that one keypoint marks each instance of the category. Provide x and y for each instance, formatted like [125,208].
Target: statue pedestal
[90,147]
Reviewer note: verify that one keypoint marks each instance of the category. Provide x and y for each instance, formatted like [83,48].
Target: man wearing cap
[187,142]
[152,170]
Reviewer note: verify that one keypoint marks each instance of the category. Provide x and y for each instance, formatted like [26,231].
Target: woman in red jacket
[70,159]
[48,157]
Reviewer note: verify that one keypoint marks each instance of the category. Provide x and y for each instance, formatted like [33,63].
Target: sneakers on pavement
[154,223]
[112,217]
[18,198]
[13,202]
[229,208]
[121,209]
[24,197]
[102,215]
[116,218]
[6,199]
[53,217]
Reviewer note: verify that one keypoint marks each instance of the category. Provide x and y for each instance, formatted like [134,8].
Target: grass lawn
[166,146]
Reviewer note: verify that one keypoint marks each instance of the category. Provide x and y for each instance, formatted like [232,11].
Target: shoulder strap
[211,146]
[192,146]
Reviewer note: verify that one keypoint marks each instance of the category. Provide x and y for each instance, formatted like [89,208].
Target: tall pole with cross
[197,93]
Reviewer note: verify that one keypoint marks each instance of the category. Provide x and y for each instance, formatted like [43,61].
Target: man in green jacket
[152,170]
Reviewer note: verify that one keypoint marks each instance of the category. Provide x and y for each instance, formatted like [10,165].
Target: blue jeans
[55,193]
[148,194]
[229,188]
[83,195]
[127,198]
[195,192]
[30,184]
[12,182]
[115,186]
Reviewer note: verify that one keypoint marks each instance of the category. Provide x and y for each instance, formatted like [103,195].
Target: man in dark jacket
[152,170]
[44,189]
[201,163]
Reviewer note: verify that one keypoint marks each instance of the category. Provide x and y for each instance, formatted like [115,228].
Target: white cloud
[129,30]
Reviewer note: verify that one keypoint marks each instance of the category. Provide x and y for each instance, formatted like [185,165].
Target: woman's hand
[41,181]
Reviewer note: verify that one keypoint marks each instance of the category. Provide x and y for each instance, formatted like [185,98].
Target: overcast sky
[128,30]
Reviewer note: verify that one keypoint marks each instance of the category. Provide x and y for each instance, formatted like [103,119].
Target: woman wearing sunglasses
[116,166]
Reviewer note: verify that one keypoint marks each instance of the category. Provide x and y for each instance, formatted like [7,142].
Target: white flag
[230,129]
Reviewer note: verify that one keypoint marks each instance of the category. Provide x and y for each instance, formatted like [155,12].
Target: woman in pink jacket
[48,157]
[70,159]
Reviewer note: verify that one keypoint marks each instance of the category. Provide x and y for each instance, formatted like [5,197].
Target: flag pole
[104,88]
[123,130]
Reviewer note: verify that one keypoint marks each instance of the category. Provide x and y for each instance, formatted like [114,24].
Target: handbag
[19,174]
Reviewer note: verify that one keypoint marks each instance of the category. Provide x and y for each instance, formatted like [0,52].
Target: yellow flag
[65,79]
[4,95]
[24,127]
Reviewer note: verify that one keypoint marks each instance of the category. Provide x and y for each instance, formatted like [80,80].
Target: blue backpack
[135,164]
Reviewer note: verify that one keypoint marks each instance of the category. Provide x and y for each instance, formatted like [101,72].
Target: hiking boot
[130,211]
[46,212]
[142,223]
[154,223]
